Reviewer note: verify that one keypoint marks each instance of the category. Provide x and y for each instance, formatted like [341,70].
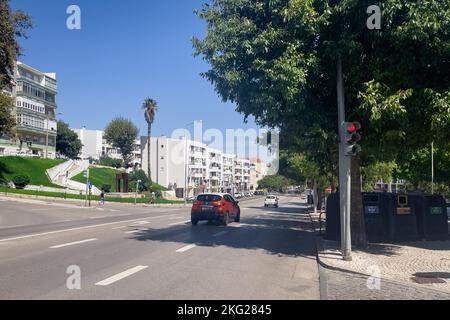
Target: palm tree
[150,107]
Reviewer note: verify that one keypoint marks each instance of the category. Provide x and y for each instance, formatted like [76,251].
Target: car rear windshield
[209,197]
[270,197]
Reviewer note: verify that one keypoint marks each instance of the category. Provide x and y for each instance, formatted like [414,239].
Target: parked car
[271,201]
[215,207]
[238,195]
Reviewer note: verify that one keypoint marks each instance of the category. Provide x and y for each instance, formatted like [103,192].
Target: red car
[215,207]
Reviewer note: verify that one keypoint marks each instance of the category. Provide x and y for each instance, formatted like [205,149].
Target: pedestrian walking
[102,197]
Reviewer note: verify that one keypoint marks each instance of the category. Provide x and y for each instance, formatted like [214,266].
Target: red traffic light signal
[352,137]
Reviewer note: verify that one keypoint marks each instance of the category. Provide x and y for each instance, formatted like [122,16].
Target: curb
[64,201]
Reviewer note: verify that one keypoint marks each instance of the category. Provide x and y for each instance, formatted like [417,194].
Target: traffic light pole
[344,170]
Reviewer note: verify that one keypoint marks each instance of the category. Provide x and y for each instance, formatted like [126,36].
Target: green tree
[7,121]
[378,171]
[121,133]
[276,60]
[12,26]
[274,183]
[67,141]
[150,107]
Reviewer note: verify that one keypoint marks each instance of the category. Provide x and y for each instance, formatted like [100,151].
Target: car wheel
[194,222]
[225,219]
[238,216]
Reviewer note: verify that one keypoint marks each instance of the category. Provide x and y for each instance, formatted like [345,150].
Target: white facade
[34,94]
[95,146]
[175,163]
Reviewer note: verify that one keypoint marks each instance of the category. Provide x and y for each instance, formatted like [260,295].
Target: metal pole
[135,195]
[46,138]
[432,167]
[344,169]
[87,187]
[185,170]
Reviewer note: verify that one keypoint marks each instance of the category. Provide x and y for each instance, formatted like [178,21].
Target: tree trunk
[358,227]
[149,171]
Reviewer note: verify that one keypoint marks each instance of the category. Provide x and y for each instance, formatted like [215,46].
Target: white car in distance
[271,201]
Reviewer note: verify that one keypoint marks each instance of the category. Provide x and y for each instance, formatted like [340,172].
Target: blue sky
[124,52]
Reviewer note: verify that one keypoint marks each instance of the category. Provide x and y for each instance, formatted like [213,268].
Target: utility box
[377,208]
[333,222]
[432,219]
[403,220]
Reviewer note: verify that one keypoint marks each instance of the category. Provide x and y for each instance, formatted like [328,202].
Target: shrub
[21,181]
[110,162]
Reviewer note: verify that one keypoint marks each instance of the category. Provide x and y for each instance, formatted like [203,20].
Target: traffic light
[352,137]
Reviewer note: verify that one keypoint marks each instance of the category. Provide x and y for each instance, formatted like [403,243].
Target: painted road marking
[136,231]
[72,243]
[220,233]
[177,223]
[14,226]
[120,276]
[67,230]
[186,248]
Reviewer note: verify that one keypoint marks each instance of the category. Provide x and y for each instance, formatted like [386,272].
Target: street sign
[90,185]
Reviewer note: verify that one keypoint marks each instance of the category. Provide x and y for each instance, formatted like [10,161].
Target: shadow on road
[283,232]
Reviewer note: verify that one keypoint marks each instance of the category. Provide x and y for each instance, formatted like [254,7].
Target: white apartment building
[96,147]
[34,93]
[176,163]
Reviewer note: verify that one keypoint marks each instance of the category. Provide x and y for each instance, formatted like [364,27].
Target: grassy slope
[34,168]
[99,177]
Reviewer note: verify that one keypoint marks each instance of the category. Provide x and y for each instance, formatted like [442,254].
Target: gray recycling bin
[431,213]
[333,224]
[377,208]
[403,220]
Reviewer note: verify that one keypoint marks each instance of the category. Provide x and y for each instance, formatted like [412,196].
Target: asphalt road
[126,252]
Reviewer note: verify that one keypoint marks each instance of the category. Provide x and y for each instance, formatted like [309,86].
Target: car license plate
[207,208]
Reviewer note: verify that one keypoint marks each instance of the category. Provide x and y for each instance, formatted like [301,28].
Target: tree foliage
[67,141]
[274,183]
[7,121]
[121,133]
[13,25]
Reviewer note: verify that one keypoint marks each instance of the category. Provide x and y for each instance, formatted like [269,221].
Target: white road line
[220,233]
[177,223]
[142,222]
[186,248]
[67,230]
[120,276]
[73,243]
[14,226]
[135,231]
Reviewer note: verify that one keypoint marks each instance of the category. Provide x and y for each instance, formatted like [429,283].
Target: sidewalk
[423,263]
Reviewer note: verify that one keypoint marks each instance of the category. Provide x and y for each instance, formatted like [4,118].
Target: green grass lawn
[99,177]
[93,198]
[34,168]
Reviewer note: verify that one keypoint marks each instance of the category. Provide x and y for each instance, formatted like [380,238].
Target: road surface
[127,252]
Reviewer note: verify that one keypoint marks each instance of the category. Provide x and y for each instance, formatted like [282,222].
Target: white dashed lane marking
[72,243]
[120,276]
[186,248]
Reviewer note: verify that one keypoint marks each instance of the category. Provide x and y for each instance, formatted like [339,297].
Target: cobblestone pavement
[337,285]
[423,261]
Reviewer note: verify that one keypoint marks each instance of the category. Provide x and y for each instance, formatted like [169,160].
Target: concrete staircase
[70,169]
